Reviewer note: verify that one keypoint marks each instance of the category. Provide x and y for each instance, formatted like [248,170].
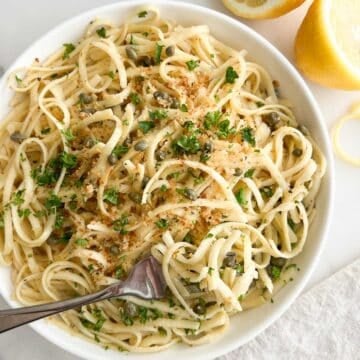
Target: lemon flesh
[327,46]
[261,9]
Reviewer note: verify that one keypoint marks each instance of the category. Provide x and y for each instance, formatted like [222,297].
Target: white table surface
[22,22]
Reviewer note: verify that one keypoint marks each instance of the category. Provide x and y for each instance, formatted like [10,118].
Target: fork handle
[12,318]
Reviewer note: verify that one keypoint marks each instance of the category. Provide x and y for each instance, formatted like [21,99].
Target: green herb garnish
[146,126]
[134,98]
[111,196]
[162,224]
[158,51]
[69,48]
[158,114]
[81,242]
[249,173]
[248,136]
[192,64]
[101,32]
[240,197]
[231,75]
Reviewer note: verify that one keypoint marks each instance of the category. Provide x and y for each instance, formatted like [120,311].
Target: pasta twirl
[151,137]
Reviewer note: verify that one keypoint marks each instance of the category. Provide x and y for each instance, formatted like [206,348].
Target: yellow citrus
[261,9]
[327,46]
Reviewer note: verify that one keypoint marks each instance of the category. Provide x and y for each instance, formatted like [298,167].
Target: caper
[130,309]
[297,152]
[272,120]
[276,85]
[135,197]
[193,288]
[85,99]
[277,261]
[112,159]
[141,145]
[238,172]
[145,180]
[170,50]
[200,308]
[160,155]
[127,141]
[304,130]
[175,104]
[131,53]
[114,250]
[161,95]
[88,110]
[208,147]
[190,194]
[89,142]
[52,240]
[144,61]
[17,137]
[230,259]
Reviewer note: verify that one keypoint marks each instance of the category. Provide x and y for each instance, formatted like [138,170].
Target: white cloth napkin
[324,323]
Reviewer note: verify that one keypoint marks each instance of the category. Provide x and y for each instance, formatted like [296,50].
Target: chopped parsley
[210,270]
[240,197]
[68,161]
[111,196]
[142,14]
[162,224]
[248,136]
[231,75]
[187,144]
[81,242]
[69,48]
[59,221]
[119,224]
[158,51]
[94,326]
[249,173]
[183,108]
[224,129]
[146,126]
[275,272]
[111,75]
[120,150]
[192,64]
[69,136]
[212,119]
[101,32]
[53,202]
[158,114]
[119,272]
[135,98]
[18,198]
[24,213]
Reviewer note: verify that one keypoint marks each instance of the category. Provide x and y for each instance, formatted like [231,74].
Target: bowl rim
[290,68]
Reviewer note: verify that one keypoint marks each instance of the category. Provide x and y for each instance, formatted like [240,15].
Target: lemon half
[327,46]
[261,9]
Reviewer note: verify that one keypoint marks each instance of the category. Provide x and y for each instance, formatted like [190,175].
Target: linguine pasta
[151,137]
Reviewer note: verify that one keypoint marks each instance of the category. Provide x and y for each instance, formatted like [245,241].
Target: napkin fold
[324,323]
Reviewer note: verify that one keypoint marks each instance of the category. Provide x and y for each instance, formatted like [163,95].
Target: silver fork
[145,281]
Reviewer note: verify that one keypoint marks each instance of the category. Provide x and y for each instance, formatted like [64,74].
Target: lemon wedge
[327,46]
[261,9]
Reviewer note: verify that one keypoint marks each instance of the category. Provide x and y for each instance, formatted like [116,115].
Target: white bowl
[246,325]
